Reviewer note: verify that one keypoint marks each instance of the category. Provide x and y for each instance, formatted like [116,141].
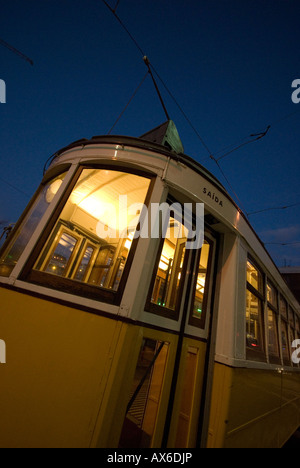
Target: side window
[284,332]
[164,296]
[292,318]
[24,232]
[59,261]
[93,240]
[254,314]
[273,320]
[202,285]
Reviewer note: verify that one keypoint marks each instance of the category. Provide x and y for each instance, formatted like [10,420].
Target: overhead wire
[235,146]
[182,111]
[16,51]
[124,27]
[116,6]
[283,244]
[127,105]
[140,49]
[14,187]
[254,137]
[151,67]
[275,208]
[258,136]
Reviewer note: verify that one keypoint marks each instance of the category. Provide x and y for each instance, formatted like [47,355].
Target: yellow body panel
[222,383]
[53,383]
[253,408]
[194,389]
[68,377]
[68,374]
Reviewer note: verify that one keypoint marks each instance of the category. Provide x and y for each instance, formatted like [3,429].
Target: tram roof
[154,140]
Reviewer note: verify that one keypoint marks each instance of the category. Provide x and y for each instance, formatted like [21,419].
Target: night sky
[230,65]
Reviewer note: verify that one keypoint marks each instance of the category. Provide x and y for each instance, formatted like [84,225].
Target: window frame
[253,354]
[70,285]
[29,210]
[284,327]
[292,328]
[273,358]
[156,309]
[193,321]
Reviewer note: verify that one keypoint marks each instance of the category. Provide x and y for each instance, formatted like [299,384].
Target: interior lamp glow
[53,189]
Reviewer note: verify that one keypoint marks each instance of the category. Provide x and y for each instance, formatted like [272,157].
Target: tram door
[143,407]
[169,374]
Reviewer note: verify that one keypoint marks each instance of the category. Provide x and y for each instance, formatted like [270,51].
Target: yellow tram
[137,341]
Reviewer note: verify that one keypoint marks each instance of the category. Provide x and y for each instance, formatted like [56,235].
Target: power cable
[16,51]
[230,186]
[275,208]
[140,49]
[183,113]
[14,187]
[283,244]
[148,65]
[258,136]
[127,105]
[117,4]
[124,27]
[254,137]
[150,68]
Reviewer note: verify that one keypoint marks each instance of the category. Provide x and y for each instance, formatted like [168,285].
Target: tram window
[98,221]
[254,327]
[63,251]
[255,342]
[272,295]
[298,325]
[283,308]
[274,354]
[292,326]
[24,232]
[273,314]
[84,264]
[285,343]
[199,305]
[169,271]
[291,318]
[254,277]
[144,401]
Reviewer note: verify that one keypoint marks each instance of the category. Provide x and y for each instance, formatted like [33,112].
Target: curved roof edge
[143,144]
[153,146]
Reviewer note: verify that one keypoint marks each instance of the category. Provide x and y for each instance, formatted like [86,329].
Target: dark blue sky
[229,63]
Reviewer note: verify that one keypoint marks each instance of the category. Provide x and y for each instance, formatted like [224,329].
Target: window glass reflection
[169,273]
[254,323]
[24,233]
[144,401]
[272,295]
[254,277]
[85,262]
[273,333]
[201,282]
[94,234]
[60,259]
[285,342]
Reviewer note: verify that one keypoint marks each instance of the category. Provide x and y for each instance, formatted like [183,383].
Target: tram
[136,341]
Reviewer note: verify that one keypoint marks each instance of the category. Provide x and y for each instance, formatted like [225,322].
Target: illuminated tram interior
[139,341]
